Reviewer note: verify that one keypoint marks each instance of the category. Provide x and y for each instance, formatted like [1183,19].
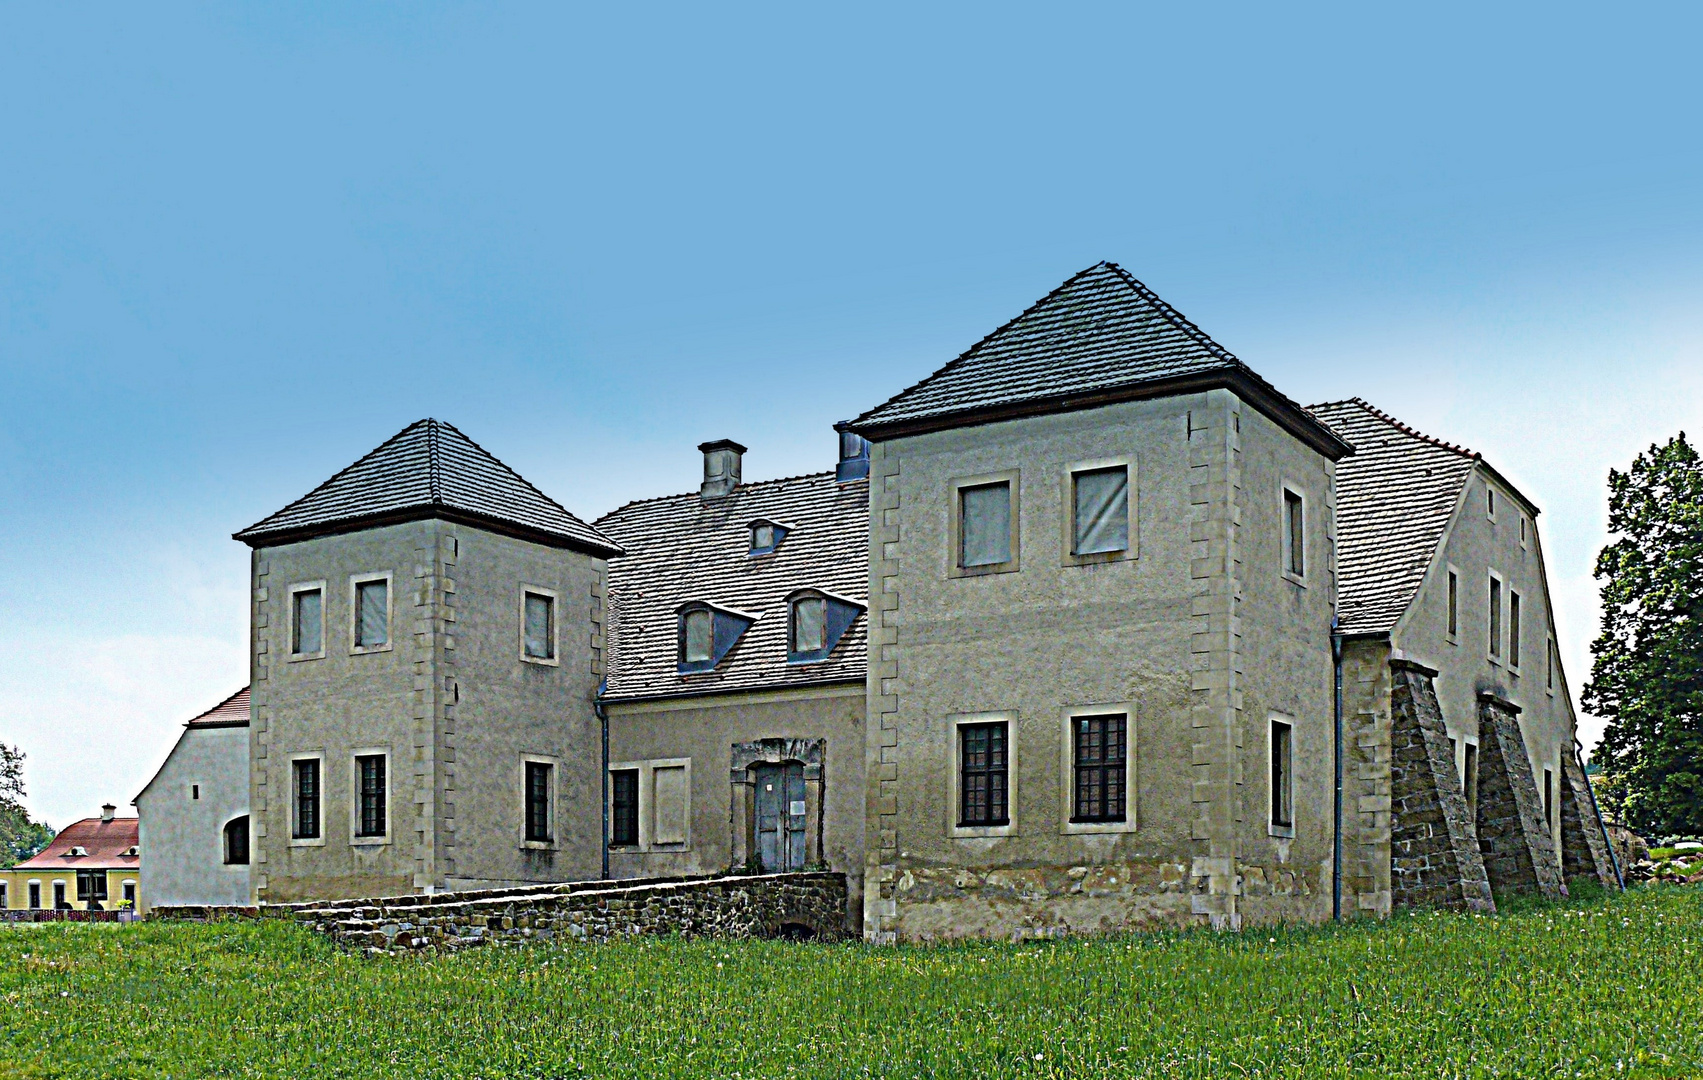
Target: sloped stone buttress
[1519,852]
[1584,852]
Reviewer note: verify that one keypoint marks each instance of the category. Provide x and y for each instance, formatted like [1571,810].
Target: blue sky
[241,245]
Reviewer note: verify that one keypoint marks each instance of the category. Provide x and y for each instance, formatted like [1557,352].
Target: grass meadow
[1607,986]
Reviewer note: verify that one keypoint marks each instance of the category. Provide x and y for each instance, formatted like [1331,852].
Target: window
[669,800]
[35,896]
[698,637]
[307,622]
[624,808]
[1522,530]
[539,615]
[1469,781]
[1490,501]
[3,898]
[1549,664]
[1282,775]
[1294,534]
[983,783]
[1100,499]
[130,893]
[194,792]
[91,886]
[538,802]
[1495,616]
[372,613]
[766,536]
[809,624]
[236,841]
[984,531]
[305,786]
[1454,605]
[1513,628]
[59,903]
[1549,798]
[371,817]
[1100,747]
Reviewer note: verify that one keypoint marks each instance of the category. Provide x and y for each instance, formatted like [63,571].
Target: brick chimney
[107,810]
[721,467]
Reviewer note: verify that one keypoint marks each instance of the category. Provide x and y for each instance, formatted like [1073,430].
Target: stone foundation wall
[769,905]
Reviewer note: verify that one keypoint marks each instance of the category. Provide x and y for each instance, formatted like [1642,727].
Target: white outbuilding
[194,813]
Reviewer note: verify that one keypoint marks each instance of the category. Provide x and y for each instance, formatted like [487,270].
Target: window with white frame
[623,807]
[1490,502]
[1294,533]
[537,780]
[1282,760]
[983,774]
[307,621]
[538,625]
[1513,629]
[984,530]
[1100,755]
[1454,604]
[305,799]
[372,820]
[1100,510]
[371,613]
[1495,622]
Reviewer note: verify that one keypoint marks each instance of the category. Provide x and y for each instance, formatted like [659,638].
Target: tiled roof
[105,842]
[428,469]
[1394,499]
[1100,335]
[684,548]
[231,712]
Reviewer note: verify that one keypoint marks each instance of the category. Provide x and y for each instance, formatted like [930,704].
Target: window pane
[372,620]
[1296,539]
[540,642]
[1454,604]
[538,801]
[762,536]
[809,625]
[985,522]
[1513,628]
[1102,510]
[307,800]
[982,774]
[624,807]
[372,794]
[1495,617]
[309,622]
[1282,799]
[699,636]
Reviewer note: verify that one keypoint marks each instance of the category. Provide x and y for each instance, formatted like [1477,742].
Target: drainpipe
[603,715]
[1336,763]
[1613,856]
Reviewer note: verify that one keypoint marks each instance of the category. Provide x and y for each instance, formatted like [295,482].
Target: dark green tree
[19,836]
[1647,670]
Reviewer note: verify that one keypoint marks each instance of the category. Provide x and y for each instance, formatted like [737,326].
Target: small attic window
[767,535]
[816,622]
[707,634]
[78,850]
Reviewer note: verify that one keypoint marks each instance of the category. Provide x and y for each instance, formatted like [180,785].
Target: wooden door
[780,816]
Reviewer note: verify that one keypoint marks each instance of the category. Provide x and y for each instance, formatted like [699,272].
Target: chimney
[854,458]
[107,810]
[721,467]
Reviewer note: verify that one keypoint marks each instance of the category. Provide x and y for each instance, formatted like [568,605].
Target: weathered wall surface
[449,699]
[705,731]
[1165,633]
[730,907]
[1519,850]
[181,836]
[1367,791]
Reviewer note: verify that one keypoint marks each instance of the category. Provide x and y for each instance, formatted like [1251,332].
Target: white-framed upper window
[369,788]
[1294,533]
[1280,756]
[369,613]
[539,637]
[1525,530]
[307,620]
[1100,518]
[1452,606]
[983,529]
[981,795]
[1494,622]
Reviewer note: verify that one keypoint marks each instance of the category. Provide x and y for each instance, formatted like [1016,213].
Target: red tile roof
[105,841]
[231,712]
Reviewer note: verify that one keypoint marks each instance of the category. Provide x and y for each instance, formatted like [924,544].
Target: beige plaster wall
[1166,632]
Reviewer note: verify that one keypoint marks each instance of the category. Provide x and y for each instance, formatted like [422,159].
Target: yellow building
[93,864]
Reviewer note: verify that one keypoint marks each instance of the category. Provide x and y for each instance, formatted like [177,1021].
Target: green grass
[1593,987]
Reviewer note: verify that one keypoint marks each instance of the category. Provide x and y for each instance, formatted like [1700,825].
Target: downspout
[1336,764]
[1613,856]
[603,715]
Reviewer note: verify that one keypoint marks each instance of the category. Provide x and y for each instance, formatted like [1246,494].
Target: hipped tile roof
[231,712]
[1394,499]
[105,841]
[1102,335]
[428,469]
[684,548]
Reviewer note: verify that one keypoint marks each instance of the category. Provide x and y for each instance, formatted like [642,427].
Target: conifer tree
[1647,670]
[19,836]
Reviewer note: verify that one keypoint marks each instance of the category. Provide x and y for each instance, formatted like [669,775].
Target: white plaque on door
[798,808]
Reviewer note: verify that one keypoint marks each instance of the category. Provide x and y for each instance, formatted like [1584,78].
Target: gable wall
[183,836]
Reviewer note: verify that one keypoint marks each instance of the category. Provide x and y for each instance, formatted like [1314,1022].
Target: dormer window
[767,535]
[78,851]
[707,633]
[816,621]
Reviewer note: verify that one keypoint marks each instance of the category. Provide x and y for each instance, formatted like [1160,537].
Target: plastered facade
[182,814]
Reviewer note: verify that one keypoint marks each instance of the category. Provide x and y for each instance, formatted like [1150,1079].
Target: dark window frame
[1099,768]
[307,799]
[372,790]
[1282,773]
[1294,533]
[623,808]
[984,776]
[91,885]
[234,828]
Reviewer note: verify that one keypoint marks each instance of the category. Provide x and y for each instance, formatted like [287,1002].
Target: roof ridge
[1405,428]
[507,468]
[1178,319]
[741,487]
[433,462]
[334,477]
[953,363]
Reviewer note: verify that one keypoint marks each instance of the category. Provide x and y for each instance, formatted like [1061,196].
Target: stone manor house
[1091,629]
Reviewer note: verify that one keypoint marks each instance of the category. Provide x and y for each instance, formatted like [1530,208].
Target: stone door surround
[742,773]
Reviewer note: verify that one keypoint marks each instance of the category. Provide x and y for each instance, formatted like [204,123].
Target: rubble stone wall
[1519,852]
